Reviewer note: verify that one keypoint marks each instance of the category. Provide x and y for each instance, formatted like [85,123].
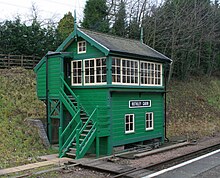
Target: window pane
[91,63]
[104,78]
[92,79]
[86,63]
[98,79]
[127,127]
[131,126]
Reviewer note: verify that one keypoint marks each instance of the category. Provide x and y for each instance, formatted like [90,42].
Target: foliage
[193,108]
[19,142]
[119,26]
[18,38]
[65,26]
[95,16]
[187,31]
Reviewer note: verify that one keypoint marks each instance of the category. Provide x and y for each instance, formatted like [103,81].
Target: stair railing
[71,92]
[81,147]
[63,147]
[67,136]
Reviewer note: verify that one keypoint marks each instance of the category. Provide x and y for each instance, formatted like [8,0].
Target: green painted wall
[54,71]
[90,98]
[91,51]
[120,101]
[41,81]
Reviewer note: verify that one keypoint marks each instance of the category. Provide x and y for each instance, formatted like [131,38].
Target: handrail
[70,123]
[90,118]
[87,136]
[71,135]
[81,146]
[67,98]
[69,140]
[69,89]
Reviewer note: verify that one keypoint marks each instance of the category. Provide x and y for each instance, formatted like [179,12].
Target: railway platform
[206,166]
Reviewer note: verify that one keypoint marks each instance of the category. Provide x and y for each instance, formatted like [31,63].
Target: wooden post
[33,61]
[8,61]
[60,141]
[22,60]
[97,146]
[77,144]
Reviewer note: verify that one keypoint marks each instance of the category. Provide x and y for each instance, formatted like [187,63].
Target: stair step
[72,149]
[86,130]
[74,144]
[71,154]
[83,135]
[84,118]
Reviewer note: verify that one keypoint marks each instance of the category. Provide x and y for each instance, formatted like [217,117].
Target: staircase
[80,133]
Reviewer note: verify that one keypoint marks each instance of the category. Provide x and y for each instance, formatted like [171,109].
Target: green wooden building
[102,92]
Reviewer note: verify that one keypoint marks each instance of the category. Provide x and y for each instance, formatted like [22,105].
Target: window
[81,47]
[129,123]
[125,71]
[151,73]
[116,70]
[95,71]
[76,72]
[149,121]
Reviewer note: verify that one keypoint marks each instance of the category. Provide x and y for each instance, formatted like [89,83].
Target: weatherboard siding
[120,107]
[54,81]
[91,51]
[90,99]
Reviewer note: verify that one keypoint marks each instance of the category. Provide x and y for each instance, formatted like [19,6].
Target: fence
[9,61]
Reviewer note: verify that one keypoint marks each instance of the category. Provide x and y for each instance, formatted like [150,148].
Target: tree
[65,26]
[95,16]
[120,25]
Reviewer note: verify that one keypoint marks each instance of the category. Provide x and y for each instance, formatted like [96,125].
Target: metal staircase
[77,137]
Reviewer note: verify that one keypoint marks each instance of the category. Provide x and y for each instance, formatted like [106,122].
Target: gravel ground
[156,158]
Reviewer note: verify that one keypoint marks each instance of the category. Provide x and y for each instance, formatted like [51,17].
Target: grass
[19,142]
[194,108]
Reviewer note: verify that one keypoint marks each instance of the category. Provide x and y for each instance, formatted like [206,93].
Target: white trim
[76,84]
[94,40]
[181,164]
[152,120]
[95,74]
[129,131]
[80,52]
[154,78]
[121,72]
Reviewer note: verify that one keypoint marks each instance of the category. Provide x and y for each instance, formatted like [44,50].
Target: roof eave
[93,42]
[127,54]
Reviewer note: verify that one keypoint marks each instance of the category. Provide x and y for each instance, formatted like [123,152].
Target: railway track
[117,170]
[146,170]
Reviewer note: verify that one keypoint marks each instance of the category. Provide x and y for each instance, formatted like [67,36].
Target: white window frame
[84,45]
[126,69]
[76,84]
[149,120]
[95,72]
[149,75]
[129,131]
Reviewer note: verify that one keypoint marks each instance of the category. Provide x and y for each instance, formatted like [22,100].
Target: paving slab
[56,161]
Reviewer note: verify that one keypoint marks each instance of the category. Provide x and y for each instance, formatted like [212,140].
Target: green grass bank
[193,110]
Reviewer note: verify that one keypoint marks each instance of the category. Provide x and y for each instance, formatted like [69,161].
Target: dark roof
[124,45]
